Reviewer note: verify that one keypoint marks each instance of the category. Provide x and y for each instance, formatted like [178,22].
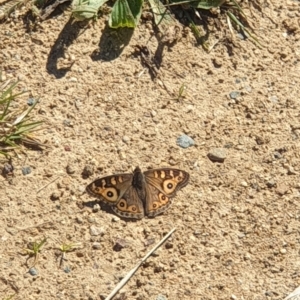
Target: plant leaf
[86,9]
[125,13]
[161,13]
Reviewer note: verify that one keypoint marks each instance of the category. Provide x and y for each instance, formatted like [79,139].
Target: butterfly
[134,195]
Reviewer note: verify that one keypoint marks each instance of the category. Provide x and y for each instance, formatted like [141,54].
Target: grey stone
[184,141]
[217,154]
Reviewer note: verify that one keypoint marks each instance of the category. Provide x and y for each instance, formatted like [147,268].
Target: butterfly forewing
[168,181]
[111,188]
[162,185]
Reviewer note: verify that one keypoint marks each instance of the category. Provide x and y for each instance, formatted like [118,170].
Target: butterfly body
[140,193]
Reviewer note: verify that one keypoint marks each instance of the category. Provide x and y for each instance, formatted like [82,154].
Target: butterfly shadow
[105,207]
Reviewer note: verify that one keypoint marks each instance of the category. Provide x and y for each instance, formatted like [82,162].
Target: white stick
[130,274]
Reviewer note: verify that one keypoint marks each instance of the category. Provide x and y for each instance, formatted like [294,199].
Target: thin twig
[294,295]
[47,184]
[130,273]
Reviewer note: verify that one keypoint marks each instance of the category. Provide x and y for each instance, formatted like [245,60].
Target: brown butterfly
[139,193]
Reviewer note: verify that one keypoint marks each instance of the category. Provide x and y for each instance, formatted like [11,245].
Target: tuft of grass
[64,248]
[16,124]
[191,9]
[34,249]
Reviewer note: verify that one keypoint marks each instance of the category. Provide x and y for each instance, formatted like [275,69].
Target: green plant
[181,92]
[235,17]
[34,249]
[64,248]
[16,125]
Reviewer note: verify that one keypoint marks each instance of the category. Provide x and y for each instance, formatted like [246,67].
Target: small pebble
[273,99]
[153,113]
[172,162]
[119,245]
[184,141]
[55,196]
[182,251]
[291,171]
[248,88]
[67,148]
[91,219]
[33,271]
[88,171]
[67,122]
[115,219]
[283,251]
[149,242]
[79,254]
[169,245]
[282,189]
[126,139]
[271,183]
[81,188]
[79,220]
[244,183]
[96,246]
[67,269]
[190,108]
[277,155]
[233,297]
[70,169]
[26,170]
[247,256]
[96,207]
[73,79]
[217,154]
[30,101]
[94,230]
[234,94]
[241,36]
[7,169]
[122,155]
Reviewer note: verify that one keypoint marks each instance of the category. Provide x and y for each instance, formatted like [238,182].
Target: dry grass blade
[130,273]
[8,7]
[295,295]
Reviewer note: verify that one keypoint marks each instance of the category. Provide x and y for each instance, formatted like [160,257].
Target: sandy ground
[237,222]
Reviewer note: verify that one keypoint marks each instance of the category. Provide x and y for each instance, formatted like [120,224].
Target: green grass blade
[245,30]
[208,4]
